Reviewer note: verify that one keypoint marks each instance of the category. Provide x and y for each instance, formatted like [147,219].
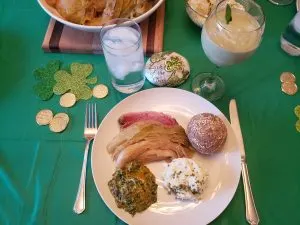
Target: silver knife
[251,212]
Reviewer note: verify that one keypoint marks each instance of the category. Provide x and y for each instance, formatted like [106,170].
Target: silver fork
[90,130]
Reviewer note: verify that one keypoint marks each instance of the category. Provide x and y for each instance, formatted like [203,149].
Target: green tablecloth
[39,170]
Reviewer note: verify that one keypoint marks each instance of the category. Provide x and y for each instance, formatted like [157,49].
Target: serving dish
[55,15]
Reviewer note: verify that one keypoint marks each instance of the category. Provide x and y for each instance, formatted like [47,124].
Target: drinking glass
[228,43]
[121,41]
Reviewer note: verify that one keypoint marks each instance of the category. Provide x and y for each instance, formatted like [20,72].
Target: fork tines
[91,115]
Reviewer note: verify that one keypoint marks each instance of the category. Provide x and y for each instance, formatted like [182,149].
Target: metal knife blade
[251,212]
[235,124]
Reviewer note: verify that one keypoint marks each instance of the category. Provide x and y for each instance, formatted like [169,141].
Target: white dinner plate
[223,168]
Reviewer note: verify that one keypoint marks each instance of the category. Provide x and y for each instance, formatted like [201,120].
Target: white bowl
[55,15]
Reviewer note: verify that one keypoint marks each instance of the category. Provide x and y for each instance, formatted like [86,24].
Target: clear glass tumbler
[121,41]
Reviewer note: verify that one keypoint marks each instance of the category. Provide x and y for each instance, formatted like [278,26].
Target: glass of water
[121,41]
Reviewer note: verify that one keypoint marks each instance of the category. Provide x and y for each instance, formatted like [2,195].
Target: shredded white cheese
[185,179]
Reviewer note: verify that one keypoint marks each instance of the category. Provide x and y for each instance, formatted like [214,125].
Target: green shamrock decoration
[76,82]
[174,64]
[45,77]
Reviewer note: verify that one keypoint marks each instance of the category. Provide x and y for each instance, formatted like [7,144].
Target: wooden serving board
[61,38]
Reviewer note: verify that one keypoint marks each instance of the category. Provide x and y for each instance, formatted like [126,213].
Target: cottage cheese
[185,179]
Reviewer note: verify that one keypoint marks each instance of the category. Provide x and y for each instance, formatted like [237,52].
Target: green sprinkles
[76,82]
[45,77]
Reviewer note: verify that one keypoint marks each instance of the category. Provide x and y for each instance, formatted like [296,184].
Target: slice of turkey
[149,141]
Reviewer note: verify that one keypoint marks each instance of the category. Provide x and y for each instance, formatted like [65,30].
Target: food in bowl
[199,10]
[133,188]
[207,133]
[185,179]
[98,12]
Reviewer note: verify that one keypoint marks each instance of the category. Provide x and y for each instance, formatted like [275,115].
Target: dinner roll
[207,133]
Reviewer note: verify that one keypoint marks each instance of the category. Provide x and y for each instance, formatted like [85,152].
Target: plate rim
[162,89]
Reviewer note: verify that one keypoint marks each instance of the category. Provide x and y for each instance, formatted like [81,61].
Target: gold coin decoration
[289,88]
[288,84]
[287,77]
[44,117]
[59,123]
[63,116]
[100,91]
[298,125]
[297,111]
[67,100]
